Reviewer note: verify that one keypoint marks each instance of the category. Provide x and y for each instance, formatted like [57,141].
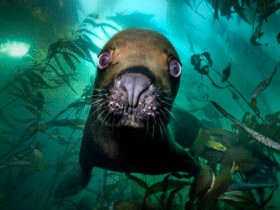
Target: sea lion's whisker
[166,102]
[163,103]
[96,110]
[168,98]
[160,129]
[99,95]
[162,124]
[96,101]
[99,105]
[99,116]
[170,113]
[164,114]
[100,89]
[106,116]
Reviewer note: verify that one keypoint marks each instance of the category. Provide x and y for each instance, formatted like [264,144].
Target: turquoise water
[44,101]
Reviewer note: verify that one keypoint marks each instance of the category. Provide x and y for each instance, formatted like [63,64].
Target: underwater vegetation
[255,13]
[245,171]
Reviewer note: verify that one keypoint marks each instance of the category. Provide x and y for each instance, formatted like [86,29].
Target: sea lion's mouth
[133,100]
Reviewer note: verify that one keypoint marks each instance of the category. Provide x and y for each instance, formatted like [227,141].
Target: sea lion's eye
[104,60]
[174,68]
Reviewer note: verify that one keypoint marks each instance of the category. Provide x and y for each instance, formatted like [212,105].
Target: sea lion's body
[128,127]
[133,152]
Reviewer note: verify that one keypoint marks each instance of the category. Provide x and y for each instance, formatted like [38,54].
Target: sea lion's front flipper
[74,181]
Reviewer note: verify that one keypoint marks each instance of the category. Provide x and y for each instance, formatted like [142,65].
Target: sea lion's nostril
[134,84]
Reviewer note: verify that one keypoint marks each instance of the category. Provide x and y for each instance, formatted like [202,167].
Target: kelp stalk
[254,134]
[241,95]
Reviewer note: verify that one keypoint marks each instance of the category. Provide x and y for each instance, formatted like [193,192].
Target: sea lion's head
[137,80]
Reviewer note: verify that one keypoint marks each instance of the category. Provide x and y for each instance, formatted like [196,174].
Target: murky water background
[37,150]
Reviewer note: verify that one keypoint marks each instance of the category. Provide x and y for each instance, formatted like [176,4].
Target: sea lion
[128,126]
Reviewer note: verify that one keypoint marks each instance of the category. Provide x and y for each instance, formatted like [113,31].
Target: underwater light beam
[15,49]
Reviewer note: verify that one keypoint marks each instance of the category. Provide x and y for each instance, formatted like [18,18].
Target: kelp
[254,13]
[257,35]
[27,157]
[203,64]
[8,193]
[78,104]
[253,168]
[92,20]
[128,205]
[163,187]
[38,159]
[44,71]
[67,52]
[224,191]
[5,121]
[257,136]
[221,183]
[226,73]
[260,88]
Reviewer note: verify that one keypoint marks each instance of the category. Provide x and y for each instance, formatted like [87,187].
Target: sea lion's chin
[132,121]
[139,118]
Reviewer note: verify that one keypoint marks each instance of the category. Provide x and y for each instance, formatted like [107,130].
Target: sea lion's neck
[137,135]
[126,135]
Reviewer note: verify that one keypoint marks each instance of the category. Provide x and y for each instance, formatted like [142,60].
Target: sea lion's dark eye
[104,60]
[174,68]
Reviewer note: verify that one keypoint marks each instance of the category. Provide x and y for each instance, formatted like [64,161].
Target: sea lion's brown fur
[134,47]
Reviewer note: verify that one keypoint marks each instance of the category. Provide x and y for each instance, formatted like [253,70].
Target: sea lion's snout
[135,85]
[132,98]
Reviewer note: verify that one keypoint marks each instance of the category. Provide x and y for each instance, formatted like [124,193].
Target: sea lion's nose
[134,84]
